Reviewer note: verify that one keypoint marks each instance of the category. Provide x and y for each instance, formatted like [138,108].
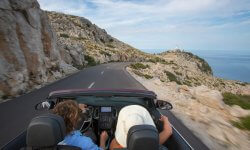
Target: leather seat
[45,132]
[144,137]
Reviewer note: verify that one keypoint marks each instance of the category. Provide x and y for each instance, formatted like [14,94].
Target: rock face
[37,47]
[28,54]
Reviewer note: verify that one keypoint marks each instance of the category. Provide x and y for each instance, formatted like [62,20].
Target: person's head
[70,112]
[130,116]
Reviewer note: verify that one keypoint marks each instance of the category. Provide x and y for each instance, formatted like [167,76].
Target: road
[16,114]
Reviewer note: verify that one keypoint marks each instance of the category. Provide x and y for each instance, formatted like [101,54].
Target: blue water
[232,65]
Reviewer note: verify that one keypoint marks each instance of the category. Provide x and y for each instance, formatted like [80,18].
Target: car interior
[47,130]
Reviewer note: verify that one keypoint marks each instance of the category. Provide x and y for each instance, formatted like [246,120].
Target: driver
[70,112]
[136,115]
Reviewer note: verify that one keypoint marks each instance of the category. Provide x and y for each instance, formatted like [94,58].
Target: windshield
[113,101]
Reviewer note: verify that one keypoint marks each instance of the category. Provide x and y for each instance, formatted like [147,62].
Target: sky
[157,25]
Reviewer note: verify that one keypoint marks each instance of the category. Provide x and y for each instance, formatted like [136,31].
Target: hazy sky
[163,24]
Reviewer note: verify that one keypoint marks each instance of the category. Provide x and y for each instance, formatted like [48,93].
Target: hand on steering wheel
[83,107]
[87,116]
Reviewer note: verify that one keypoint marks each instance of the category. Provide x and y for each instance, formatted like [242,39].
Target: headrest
[45,131]
[144,137]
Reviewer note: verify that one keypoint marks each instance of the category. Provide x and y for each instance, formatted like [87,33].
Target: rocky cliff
[38,47]
[28,50]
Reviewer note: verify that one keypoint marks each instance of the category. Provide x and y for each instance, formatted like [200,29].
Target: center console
[107,118]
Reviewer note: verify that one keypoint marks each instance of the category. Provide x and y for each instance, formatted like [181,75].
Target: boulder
[208,97]
[66,68]
[237,111]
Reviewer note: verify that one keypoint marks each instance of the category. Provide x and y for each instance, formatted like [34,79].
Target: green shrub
[102,40]
[152,60]
[242,83]
[142,75]
[235,99]
[64,35]
[178,73]
[172,77]
[114,61]
[139,66]
[111,46]
[187,82]
[158,60]
[244,123]
[105,53]
[91,61]
[4,97]
[204,67]
[148,76]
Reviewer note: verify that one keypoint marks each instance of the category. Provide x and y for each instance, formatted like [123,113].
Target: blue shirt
[75,138]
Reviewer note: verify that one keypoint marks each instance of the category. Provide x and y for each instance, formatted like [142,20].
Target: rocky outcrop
[185,68]
[38,47]
[28,52]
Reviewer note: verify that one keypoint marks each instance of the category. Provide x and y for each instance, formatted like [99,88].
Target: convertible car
[103,106]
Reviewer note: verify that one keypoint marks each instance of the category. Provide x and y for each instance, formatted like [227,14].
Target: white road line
[91,85]
[182,137]
[102,72]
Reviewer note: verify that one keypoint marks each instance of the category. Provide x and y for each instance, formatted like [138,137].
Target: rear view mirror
[164,105]
[46,105]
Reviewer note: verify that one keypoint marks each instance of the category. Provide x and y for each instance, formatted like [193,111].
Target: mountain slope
[79,34]
[38,47]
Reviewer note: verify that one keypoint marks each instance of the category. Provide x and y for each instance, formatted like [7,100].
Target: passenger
[70,112]
[136,115]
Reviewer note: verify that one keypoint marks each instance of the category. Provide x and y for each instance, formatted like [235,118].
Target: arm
[114,144]
[103,138]
[167,130]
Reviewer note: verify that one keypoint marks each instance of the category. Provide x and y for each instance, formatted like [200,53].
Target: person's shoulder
[84,141]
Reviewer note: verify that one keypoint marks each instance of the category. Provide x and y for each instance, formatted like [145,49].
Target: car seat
[144,137]
[45,132]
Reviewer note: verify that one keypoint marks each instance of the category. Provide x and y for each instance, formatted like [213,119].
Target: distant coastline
[226,64]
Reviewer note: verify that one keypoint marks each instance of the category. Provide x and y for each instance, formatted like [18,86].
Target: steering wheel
[86,119]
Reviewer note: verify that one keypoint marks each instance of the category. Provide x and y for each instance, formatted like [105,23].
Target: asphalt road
[16,114]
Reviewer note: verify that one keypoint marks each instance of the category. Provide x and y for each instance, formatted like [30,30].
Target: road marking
[91,85]
[182,137]
[108,67]
[102,72]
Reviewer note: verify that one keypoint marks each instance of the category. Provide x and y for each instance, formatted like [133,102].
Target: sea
[227,64]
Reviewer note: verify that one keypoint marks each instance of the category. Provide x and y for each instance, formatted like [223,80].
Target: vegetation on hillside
[91,61]
[156,60]
[139,66]
[243,124]
[172,77]
[204,66]
[235,99]
[105,53]
[64,35]
[142,75]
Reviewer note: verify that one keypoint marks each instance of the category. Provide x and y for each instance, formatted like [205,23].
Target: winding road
[16,114]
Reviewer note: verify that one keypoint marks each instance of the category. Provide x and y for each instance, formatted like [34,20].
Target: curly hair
[70,112]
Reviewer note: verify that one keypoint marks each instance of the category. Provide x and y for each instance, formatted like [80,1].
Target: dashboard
[105,116]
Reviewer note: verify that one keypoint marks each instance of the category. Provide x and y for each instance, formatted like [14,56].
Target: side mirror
[45,105]
[163,105]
